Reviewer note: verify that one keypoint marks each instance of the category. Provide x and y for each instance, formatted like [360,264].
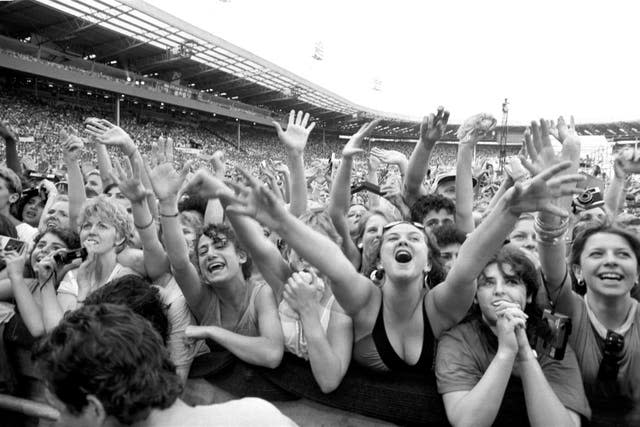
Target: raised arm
[352,290]
[392,157]
[166,183]
[72,149]
[29,310]
[469,133]
[431,130]
[627,162]
[550,228]
[341,191]
[295,139]
[450,301]
[11,148]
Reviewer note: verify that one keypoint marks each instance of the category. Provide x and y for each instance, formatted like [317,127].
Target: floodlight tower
[503,134]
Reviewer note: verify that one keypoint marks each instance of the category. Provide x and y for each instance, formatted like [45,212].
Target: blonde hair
[109,212]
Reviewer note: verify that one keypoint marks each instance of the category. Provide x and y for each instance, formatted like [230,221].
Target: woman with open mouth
[396,325]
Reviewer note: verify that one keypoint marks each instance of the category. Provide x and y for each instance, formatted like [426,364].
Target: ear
[13,197]
[577,271]
[242,256]
[529,299]
[94,410]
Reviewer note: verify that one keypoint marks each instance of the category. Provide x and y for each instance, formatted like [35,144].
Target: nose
[610,258]
[498,288]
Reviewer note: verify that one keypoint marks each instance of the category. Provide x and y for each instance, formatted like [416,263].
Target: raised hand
[475,128]
[627,162]
[355,142]
[72,145]
[107,133]
[391,157]
[561,130]
[257,201]
[14,261]
[130,183]
[540,192]
[6,132]
[432,127]
[301,291]
[209,186]
[217,161]
[541,152]
[297,133]
[166,181]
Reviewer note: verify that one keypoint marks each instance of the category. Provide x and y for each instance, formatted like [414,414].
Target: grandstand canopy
[143,41]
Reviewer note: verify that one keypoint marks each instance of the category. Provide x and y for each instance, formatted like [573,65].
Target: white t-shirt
[249,412]
[26,233]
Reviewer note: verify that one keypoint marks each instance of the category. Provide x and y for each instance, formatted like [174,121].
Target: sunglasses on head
[394,223]
[612,355]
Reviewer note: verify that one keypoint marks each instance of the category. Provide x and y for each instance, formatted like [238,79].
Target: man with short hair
[433,210]
[106,366]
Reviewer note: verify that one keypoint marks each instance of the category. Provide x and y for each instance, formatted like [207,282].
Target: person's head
[137,294]
[509,276]
[605,258]
[370,229]
[57,216]
[449,241]
[29,207]
[50,242]
[219,257]
[10,188]
[321,222]
[104,225]
[523,236]
[105,365]
[433,210]
[407,251]
[191,223]
[93,185]
[355,212]
[113,192]
[446,186]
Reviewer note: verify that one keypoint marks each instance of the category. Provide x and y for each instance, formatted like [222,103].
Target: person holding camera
[490,355]
[34,276]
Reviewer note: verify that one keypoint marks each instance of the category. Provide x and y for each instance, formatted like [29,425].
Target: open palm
[297,133]
[166,181]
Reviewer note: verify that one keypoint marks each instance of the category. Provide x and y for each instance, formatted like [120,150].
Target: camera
[553,342]
[9,244]
[64,258]
[589,198]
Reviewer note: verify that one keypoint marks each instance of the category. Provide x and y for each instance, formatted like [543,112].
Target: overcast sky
[547,57]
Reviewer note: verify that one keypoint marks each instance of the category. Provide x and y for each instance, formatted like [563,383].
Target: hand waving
[475,128]
[209,186]
[355,142]
[6,132]
[539,193]
[166,181]
[391,157]
[257,201]
[107,133]
[130,184]
[627,162]
[72,145]
[433,127]
[297,133]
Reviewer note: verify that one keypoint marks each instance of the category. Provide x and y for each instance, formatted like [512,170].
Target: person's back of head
[137,294]
[104,361]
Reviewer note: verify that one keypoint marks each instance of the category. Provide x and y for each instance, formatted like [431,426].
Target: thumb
[278,127]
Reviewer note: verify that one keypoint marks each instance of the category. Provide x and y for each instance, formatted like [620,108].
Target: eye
[203,251]
[41,244]
[86,226]
[512,282]
[103,226]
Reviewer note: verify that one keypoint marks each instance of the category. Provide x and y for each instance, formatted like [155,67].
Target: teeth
[610,276]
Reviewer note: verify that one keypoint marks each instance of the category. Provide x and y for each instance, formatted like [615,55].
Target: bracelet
[550,235]
[146,226]
[169,216]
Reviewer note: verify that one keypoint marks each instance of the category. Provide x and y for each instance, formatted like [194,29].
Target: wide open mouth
[403,256]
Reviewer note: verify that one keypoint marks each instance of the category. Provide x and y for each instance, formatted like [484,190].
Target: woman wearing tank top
[405,258]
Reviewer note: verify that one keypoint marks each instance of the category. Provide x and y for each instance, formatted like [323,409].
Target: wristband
[144,227]
[550,235]
[169,216]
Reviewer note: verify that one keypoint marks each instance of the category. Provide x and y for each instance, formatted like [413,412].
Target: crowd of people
[144,285]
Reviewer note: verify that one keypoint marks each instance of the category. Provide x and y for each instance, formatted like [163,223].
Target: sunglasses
[612,355]
[394,223]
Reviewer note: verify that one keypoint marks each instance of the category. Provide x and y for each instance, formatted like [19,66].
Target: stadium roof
[139,38]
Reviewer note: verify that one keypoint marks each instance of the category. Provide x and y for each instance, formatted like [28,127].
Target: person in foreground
[95,377]
[478,359]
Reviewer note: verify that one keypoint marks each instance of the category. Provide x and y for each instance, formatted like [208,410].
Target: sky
[547,57]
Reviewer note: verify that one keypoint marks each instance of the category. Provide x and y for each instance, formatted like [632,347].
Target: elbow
[273,356]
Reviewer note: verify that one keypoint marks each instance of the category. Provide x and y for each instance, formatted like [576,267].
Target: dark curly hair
[448,234]
[109,352]
[211,231]
[69,237]
[428,203]
[137,294]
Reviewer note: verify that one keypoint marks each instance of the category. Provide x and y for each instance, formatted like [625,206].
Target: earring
[378,274]
[581,283]
[426,279]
